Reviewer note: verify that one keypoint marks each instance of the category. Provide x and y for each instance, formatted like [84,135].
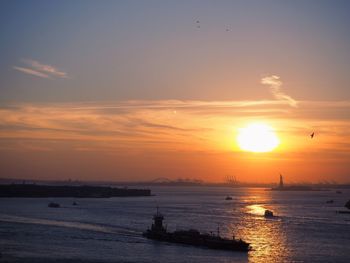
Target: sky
[136,90]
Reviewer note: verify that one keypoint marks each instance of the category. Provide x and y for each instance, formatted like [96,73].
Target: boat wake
[70,224]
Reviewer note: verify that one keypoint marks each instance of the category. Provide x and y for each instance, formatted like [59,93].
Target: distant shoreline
[175,183]
[85,191]
[299,188]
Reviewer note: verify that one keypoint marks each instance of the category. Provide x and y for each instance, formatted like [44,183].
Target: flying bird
[312,135]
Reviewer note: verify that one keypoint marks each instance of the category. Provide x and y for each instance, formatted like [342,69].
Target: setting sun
[257,137]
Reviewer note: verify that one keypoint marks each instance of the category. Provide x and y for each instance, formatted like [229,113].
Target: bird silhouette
[312,135]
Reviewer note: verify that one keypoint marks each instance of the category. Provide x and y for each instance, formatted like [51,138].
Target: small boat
[268,213]
[347,205]
[193,237]
[330,201]
[54,205]
[228,198]
[339,192]
[75,203]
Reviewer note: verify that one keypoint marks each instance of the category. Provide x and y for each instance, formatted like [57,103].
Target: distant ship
[54,205]
[193,237]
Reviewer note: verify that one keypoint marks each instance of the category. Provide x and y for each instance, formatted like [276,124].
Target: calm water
[109,230]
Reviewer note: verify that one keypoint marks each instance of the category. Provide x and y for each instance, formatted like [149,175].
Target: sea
[305,228]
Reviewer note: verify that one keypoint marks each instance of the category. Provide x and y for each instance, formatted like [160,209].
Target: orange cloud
[200,133]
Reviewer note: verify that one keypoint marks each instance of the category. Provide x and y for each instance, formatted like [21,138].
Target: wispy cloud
[31,72]
[36,68]
[275,84]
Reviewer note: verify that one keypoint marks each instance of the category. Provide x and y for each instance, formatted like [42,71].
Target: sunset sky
[136,90]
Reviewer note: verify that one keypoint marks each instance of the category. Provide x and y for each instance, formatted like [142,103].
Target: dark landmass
[34,190]
[298,188]
[282,187]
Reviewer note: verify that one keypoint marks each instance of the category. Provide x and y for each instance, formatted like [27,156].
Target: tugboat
[268,213]
[193,237]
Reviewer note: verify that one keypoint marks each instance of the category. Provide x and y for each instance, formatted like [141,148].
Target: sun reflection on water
[267,237]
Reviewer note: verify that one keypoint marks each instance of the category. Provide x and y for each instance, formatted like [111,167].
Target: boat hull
[206,241]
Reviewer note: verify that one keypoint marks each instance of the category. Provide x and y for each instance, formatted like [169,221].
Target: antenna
[157,207]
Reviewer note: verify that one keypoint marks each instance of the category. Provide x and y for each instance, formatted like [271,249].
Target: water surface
[306,229]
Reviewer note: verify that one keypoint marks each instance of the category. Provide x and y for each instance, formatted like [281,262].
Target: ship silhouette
[192,237]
